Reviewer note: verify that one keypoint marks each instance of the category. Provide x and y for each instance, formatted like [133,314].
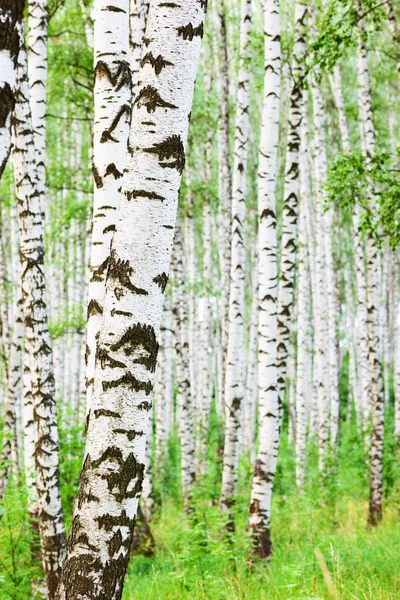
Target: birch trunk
[290,200]
[112,98]
[37,76]
[11,14]
[320,282]
[183,380]
[235,374]
[112,473]
[265,466]
[303,403]
[376,476]
[251,396]
[9,453]
[137,29]
[37,338]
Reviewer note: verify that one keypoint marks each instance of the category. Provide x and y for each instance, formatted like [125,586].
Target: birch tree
[264,470]
[37,337]
[11,13]
[112,473]
[235,374]
[112,111]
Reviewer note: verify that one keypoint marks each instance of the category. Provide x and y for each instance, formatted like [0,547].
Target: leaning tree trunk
[112,473]
[112,110]
[11,13]
[235,373]
[265,466]
[37,337]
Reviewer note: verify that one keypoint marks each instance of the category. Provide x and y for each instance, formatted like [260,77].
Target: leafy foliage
[374,185]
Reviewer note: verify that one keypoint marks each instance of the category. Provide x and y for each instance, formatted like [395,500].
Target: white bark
[235,372]
[112,111]
[184,400]
[11,15]
[376,481]
[290,199]
[112,473]
[51,522]
[265,466]
[37,76]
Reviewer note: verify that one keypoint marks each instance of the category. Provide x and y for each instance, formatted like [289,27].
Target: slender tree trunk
[37,338]
[9,453]
[11,14]
[112,473]
[205,321]
[290,199]
[225,179]
[112,110]
[37,75]
[235,374]
[376,481]
[303,403]
[251,396]
[320,282]
[184,392]
[265,466]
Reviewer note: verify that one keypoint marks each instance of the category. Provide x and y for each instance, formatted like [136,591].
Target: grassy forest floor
[323,546]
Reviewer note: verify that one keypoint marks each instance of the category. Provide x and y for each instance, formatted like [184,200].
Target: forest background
[327,338]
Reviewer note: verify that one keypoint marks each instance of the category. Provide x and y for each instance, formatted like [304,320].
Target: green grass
[194,561]
[323,546]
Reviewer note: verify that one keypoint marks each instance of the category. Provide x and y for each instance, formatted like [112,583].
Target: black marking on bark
[131,434]
[103,412]
[188,32]
[161,280]
[6,104]
[145,405]
[114,9]
[130,381]
[173,148]
[168,226]
[94,308]
[119,479]
[267,212]
[107,522]
[123,313]
[157,63]
[106,135]
[78,536]
[169,5]
[107,361]
[121,77]
[120,270]
[99,273]
[112,170]
[109,228]
[145,194]
[143,338]
[151,99]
